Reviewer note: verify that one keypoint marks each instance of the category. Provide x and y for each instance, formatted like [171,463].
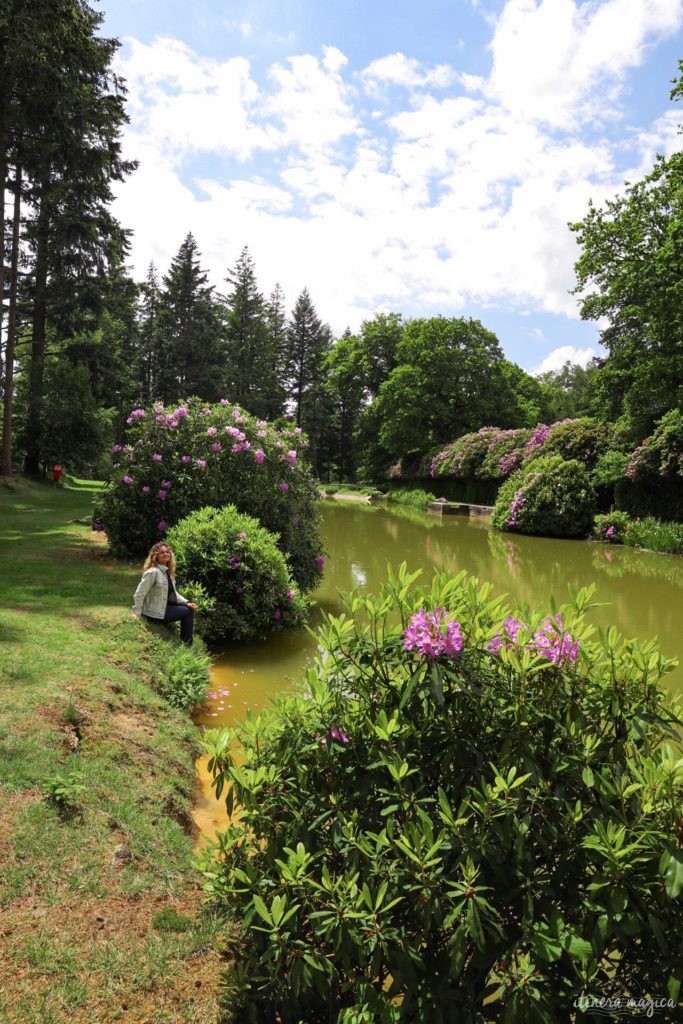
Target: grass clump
[655,535]
[415,498]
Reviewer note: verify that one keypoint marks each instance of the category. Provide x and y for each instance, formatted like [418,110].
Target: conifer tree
[308,341]
[192,352]
[251,373]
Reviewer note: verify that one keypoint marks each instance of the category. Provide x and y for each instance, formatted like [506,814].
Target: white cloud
[397,69]
[557,61]
[566,354]
[440,202]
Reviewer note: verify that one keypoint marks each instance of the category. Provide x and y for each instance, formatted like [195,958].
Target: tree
[570,391]
[449,380]
[61,112]
[629,273]
[307,342]
[192,351]
[345,373]
[251,346]
[150,351]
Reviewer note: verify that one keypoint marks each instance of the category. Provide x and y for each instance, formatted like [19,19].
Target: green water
[642,593]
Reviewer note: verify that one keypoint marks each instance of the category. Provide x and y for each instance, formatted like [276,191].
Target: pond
[641,592]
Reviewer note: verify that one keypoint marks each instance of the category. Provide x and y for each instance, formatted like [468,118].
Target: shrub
[465,816]
[180,459]
[584,439]
[662,453]
[609,469]
[415,498]
[186,676]
[238,564]
[654,535]
[611,527]
[549,496]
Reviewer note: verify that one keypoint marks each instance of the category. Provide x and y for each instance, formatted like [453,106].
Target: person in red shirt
[56,475]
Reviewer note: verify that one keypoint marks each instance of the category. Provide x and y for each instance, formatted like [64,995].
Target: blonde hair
[152,559]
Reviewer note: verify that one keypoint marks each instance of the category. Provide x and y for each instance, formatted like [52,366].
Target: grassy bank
[100,911]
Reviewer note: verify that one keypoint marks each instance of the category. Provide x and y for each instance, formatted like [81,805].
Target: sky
[389,155]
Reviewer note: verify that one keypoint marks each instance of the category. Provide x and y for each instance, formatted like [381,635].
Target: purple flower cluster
[508,463]
[432,634]
[337,734]
[516,506]
[551,641]
[538,438]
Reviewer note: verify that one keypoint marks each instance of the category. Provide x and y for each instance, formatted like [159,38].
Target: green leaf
[579,948]
[673,876]
[587,776]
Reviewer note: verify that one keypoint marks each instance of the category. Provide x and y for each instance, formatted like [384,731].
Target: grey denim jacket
[151,595]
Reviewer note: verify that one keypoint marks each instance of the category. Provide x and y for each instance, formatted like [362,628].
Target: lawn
[101,916]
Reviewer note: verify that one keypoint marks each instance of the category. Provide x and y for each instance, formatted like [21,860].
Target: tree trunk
[37,366]
[11,332]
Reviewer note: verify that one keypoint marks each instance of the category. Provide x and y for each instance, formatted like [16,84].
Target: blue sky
[424,159]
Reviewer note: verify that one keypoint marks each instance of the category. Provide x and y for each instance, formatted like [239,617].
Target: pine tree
[61,112]
[150,348]
[251,377]
[192,351]
[308,342]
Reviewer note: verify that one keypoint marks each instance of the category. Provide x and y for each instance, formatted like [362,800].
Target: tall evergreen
[61,113]
[192,351]
[251,373]
[276,321]
[308,341]
[148,363]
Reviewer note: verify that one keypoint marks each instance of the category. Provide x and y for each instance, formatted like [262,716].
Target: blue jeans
[179,613]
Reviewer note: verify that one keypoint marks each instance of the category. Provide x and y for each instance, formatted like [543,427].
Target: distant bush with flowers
[660,455]
[549,496]
[467,814]
[233,566]
[490,453]
[584,439]
[611,527]
[179,459]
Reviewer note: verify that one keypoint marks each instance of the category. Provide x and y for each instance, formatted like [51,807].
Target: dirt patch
[112,948]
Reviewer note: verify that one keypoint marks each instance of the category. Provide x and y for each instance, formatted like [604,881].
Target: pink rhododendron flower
[201,463]
[166,484]
[433,634]
[261,433]
[186,459]
[161,495]
[162,526]
[259,455]
[284,486]
[128,479]
[216,446]
[145,489]
[320,561]
[291,457]
[241,535]
[339,735]
[157,457]
[212,431]
[117,448]
[277,614]
[224,401]
[291,595]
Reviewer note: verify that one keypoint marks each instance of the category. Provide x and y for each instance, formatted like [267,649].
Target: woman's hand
[192,605]
[134,616]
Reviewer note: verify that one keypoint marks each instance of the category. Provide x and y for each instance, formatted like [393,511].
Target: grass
[413,498]
[342,488]
[654,535]
[96,782]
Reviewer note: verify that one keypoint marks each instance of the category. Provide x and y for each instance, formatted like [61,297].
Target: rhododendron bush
[469,813]
[178,459]
[234,571]
[549,496]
